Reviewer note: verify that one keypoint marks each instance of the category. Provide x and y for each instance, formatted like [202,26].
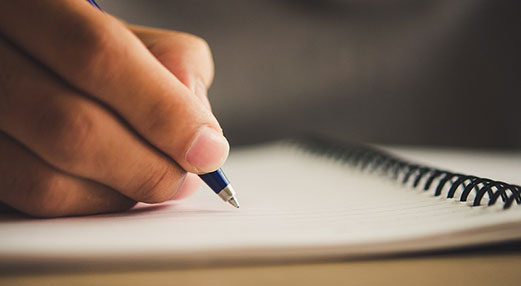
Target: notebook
[302,200]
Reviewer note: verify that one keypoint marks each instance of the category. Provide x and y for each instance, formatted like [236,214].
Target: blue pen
[216,180]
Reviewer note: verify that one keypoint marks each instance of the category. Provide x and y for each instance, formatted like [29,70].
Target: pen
[216,180]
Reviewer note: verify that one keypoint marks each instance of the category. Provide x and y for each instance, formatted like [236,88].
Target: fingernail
[202,93]
[208,151]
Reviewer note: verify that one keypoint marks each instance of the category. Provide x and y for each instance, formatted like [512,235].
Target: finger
[78,135]
[187,56]
[190,185]
[97,54]
[33,187]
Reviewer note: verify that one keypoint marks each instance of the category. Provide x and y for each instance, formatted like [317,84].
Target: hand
[96,115]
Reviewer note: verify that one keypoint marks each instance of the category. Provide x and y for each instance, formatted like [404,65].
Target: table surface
[498,265]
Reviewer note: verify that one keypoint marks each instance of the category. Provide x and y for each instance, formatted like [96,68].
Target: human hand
[95,115]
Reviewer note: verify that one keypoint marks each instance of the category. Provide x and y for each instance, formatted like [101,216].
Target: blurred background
[393,72]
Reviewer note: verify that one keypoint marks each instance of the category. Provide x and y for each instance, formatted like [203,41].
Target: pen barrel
[216,180]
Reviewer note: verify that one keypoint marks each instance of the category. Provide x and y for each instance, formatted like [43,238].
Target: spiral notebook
[300,200]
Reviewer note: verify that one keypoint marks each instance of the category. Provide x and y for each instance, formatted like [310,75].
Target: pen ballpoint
[216,180]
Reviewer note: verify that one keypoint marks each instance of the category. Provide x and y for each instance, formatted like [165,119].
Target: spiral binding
[370,159]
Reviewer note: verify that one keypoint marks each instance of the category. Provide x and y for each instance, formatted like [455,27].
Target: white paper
[293,205]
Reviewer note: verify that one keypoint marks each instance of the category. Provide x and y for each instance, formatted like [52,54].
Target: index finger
[98,55]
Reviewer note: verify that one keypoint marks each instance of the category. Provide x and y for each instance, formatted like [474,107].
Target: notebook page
[292,203]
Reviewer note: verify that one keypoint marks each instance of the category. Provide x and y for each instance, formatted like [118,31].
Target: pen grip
[215,180]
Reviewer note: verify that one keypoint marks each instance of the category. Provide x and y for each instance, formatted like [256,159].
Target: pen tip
[233,201]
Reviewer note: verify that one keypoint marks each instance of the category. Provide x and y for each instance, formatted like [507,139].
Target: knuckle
[191,44]
[182,48]
[156,185]
[197,43]
[72,131]
[201,47]
[46,197]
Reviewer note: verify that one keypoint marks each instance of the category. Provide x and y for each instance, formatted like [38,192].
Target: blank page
[294,205]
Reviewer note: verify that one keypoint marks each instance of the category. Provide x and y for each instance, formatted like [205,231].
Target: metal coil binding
[441,182]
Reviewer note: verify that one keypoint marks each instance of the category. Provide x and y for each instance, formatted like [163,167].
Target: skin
[96,115]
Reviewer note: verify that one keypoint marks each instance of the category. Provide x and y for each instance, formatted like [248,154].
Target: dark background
[406,72]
